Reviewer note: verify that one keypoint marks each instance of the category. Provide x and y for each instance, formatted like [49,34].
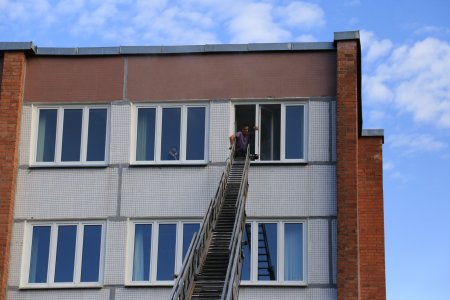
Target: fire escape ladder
[212,267]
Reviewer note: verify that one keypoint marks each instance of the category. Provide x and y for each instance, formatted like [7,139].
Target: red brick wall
[10,112]
[346,170]
[360,218]
[371,219]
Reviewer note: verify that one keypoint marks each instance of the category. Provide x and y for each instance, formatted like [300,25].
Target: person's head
[244,130]
[173,149]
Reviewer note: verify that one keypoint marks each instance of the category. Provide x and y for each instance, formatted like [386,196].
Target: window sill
[67,165]
[169,164]
[273,284]
[61,286]
[150,284]
[273,162]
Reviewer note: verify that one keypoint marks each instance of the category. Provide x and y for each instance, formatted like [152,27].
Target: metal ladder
[212,266]
[210,281]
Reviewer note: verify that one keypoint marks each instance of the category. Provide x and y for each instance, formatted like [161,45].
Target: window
[75,135]
[274,253]
[282,130]
[64,255]
[158,250]
[170,134]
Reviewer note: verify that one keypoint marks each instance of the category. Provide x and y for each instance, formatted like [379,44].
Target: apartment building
[111,156]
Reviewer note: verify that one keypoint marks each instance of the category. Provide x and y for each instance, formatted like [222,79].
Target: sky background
[406,90]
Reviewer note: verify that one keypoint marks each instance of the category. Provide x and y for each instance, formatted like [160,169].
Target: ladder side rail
[192,262]
[232,278]
[179,285]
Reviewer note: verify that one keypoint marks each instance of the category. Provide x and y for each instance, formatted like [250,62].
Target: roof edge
[176,49]
[17,46]
[373,133]
[346,35]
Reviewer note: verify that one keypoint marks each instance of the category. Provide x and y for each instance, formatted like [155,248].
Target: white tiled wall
[276,191]
[66,193]
[290,191]
[287,293]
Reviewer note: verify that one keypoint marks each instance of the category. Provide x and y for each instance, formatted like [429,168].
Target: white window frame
[154,251]
[59,136]
[283,105]
[280,257]
[158,134]
[26,256]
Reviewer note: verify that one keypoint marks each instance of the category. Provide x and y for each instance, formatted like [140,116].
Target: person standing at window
[242,139]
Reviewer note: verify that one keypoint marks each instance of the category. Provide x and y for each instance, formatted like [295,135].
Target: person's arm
[232,140]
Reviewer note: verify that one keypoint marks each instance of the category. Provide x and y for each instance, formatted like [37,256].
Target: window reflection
[170,141]
[145,147]
[45,151]
[188,233]
[97,134]
[294,132]
[39,254]
[65,253]
[71,142]
[166,252]
[293,248]
[90,263]
[195,148]
[267,251]
[142,243]
[247,250]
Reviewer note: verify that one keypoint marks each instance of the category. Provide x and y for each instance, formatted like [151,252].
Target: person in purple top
[242,139]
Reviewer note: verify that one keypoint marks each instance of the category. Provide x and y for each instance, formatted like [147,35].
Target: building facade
[110,157]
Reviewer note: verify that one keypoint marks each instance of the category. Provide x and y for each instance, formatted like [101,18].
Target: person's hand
[255,128]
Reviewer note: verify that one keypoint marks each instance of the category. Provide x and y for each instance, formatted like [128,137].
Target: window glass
[65,253]
[39,254]
[188,233]
[267,251]
[170,140]
[294,132]
[45,150]
[90,263]
[142,246]
[97,134]
[195,148]
[71,142]
[166,252]
[293,248]
[247,250]
[270,131]
[145,147]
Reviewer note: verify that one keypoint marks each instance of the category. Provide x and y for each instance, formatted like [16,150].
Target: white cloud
[306,38]
[374,48]
[413,143]
[415,78]
[156,22]
[91,21]
[302,14]
[254,23]
[433,30]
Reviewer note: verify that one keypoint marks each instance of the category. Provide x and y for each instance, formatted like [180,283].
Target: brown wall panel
[223,76]
[75,79]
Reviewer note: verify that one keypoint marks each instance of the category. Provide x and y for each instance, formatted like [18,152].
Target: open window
[282,130]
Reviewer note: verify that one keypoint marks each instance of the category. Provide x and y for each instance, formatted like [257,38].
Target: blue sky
[406,90]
